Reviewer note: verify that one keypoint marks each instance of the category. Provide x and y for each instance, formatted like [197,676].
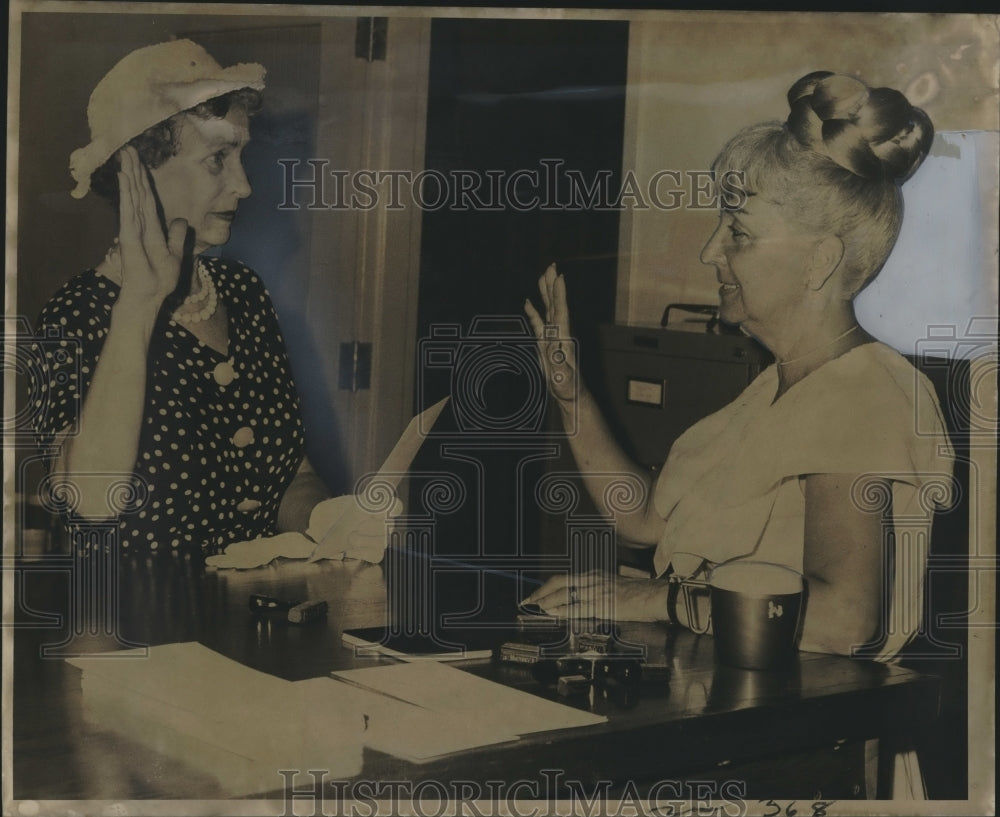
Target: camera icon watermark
[38,364]
[497,382]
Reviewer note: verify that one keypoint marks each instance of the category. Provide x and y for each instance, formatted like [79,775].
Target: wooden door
[343,278]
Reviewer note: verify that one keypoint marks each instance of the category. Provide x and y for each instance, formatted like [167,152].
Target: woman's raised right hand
[556,347]
[151,263]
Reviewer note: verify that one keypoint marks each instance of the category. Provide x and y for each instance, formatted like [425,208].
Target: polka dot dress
[222,435]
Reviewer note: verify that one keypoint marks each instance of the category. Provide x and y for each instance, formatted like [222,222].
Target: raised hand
[151,262]
[556,347]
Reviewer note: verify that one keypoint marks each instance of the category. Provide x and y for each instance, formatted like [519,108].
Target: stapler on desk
[294,612]
[531,615]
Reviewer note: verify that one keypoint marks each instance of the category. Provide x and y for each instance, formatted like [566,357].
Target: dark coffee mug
[755,612]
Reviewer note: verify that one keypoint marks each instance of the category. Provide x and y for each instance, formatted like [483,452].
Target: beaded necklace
[201,305]
[195,308]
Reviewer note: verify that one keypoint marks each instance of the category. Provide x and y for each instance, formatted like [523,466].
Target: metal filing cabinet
[660,381]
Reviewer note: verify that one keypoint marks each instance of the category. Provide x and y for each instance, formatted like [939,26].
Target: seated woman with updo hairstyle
[790,471]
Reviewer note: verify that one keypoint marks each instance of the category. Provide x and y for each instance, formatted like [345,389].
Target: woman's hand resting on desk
[601,595]
[556,348]
[262,551]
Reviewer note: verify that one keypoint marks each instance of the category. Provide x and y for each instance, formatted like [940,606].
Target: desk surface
[705,717]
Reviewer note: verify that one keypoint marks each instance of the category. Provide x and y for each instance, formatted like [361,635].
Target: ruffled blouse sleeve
[857,414]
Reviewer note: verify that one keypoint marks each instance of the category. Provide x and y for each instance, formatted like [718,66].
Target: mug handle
[691,606]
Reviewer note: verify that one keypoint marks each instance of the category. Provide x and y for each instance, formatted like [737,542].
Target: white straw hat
[146,87]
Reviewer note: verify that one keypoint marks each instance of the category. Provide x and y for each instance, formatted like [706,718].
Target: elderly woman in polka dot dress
[179,381]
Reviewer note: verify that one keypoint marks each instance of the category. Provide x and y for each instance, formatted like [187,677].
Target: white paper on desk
[400,458]
[193,703]
[175,734]
[188,675]
[454,692]
[343,529]
[402,729]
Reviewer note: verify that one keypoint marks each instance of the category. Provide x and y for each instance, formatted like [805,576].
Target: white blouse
[733,484]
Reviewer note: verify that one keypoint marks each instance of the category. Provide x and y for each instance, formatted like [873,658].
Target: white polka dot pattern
[222,435]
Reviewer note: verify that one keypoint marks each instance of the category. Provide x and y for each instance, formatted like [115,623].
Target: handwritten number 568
[819,808]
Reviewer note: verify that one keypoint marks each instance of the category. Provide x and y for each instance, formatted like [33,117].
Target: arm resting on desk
[842,563]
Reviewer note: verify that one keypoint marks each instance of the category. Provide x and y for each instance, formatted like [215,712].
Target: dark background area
[505,95]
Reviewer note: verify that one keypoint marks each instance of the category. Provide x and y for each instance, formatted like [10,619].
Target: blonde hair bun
[875,133]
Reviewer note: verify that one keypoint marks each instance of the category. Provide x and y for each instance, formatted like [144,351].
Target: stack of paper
[240,725]
[400,728]
[244,726]
[471,709]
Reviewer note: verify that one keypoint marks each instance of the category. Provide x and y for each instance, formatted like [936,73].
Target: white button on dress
[243,437]
[224,373]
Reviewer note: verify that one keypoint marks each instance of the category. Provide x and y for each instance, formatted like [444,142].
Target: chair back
[941,648]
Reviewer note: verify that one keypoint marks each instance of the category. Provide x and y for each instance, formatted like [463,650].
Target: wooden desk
[706,722]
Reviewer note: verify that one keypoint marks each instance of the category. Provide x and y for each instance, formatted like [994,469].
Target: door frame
[365,261]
